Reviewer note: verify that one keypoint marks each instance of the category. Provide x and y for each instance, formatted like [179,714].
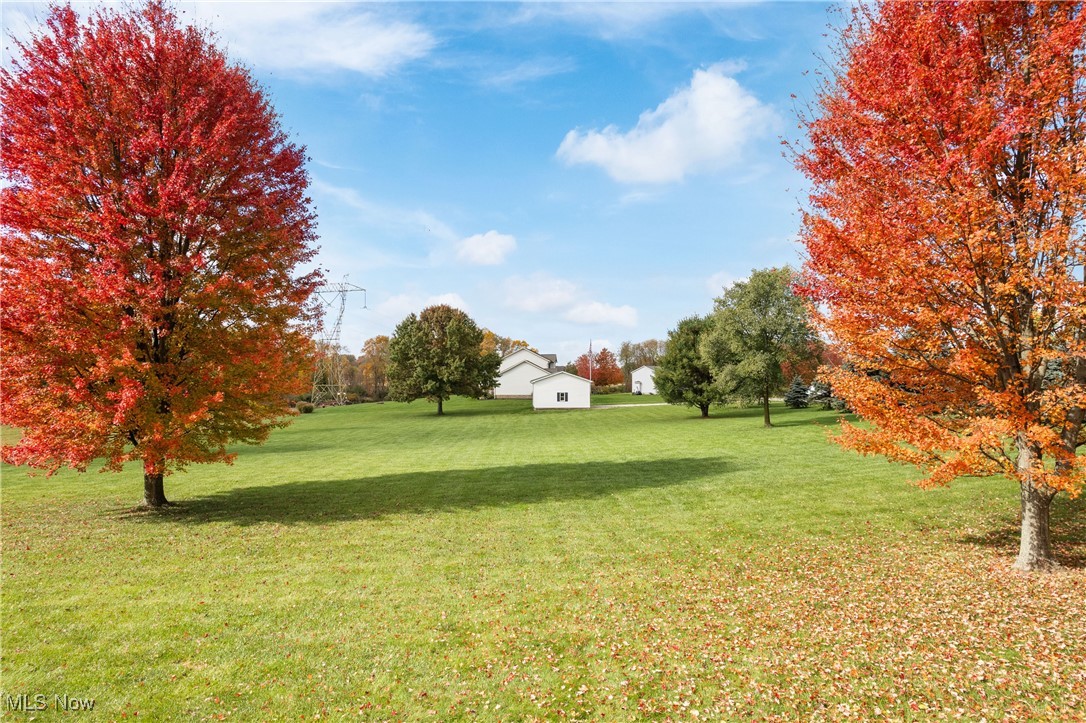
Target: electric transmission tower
[329,377]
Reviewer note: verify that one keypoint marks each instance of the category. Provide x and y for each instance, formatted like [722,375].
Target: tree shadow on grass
[323,501]
[778,416]
[1068,530]
[457,407]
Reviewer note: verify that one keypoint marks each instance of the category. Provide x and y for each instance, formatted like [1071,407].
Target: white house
[643,380]
[561,390]
[516,381]
[517,370]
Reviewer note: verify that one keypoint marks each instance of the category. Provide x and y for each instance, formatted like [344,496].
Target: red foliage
[806,366]
[604,368]
[946,233]
[584,364]
[607,370]
[154,217]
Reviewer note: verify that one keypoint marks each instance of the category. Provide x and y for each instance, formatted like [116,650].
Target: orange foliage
[945,237]
[502,345]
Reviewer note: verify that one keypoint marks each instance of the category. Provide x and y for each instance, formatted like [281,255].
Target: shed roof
[558,374]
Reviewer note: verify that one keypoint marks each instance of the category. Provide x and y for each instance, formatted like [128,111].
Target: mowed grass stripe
[623,563]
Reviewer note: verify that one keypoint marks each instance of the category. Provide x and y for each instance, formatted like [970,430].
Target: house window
[563,396]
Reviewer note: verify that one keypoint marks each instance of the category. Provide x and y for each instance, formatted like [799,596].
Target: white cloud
[701,127]
[599,313]
[453,300]
[297,37]
[485,249]
[539,292]
[396,308]
[315,37]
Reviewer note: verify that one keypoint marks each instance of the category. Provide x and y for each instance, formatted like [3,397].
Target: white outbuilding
[561,390]
[517,370]
[643,380]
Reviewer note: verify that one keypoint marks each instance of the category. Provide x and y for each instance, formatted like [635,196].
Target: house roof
[543,359]
[644,366]
[522,363]
[558,374]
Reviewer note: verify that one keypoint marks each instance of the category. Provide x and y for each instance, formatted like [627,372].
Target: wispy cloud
[387,216]
[606,20]
[701,127]
[316,37]
[529,71]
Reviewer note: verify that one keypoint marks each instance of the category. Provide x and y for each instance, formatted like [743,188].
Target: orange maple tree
[946,242]
[154,215]
[373,366]
[503,345]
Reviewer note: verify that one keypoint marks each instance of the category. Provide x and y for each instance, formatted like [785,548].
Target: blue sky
[561,171]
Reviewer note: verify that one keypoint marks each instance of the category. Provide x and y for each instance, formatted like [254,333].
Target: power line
[329,375]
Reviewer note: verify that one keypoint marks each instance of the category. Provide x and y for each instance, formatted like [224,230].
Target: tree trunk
[1034,548]
[704,410]
[440,411]
[153,493]
[765,410]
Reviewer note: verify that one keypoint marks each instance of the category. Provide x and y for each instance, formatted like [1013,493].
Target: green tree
[797,396]
[438,354]
[682,376]
[759,326]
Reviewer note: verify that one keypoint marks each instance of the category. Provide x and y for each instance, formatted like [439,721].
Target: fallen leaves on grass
[814,631]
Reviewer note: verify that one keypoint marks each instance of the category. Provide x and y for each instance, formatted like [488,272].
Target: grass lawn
[379,562]
[598,399]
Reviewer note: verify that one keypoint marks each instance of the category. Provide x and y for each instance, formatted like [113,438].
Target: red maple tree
[606,369]
[602,367]
[946,247]
[584,364]
[154,216]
